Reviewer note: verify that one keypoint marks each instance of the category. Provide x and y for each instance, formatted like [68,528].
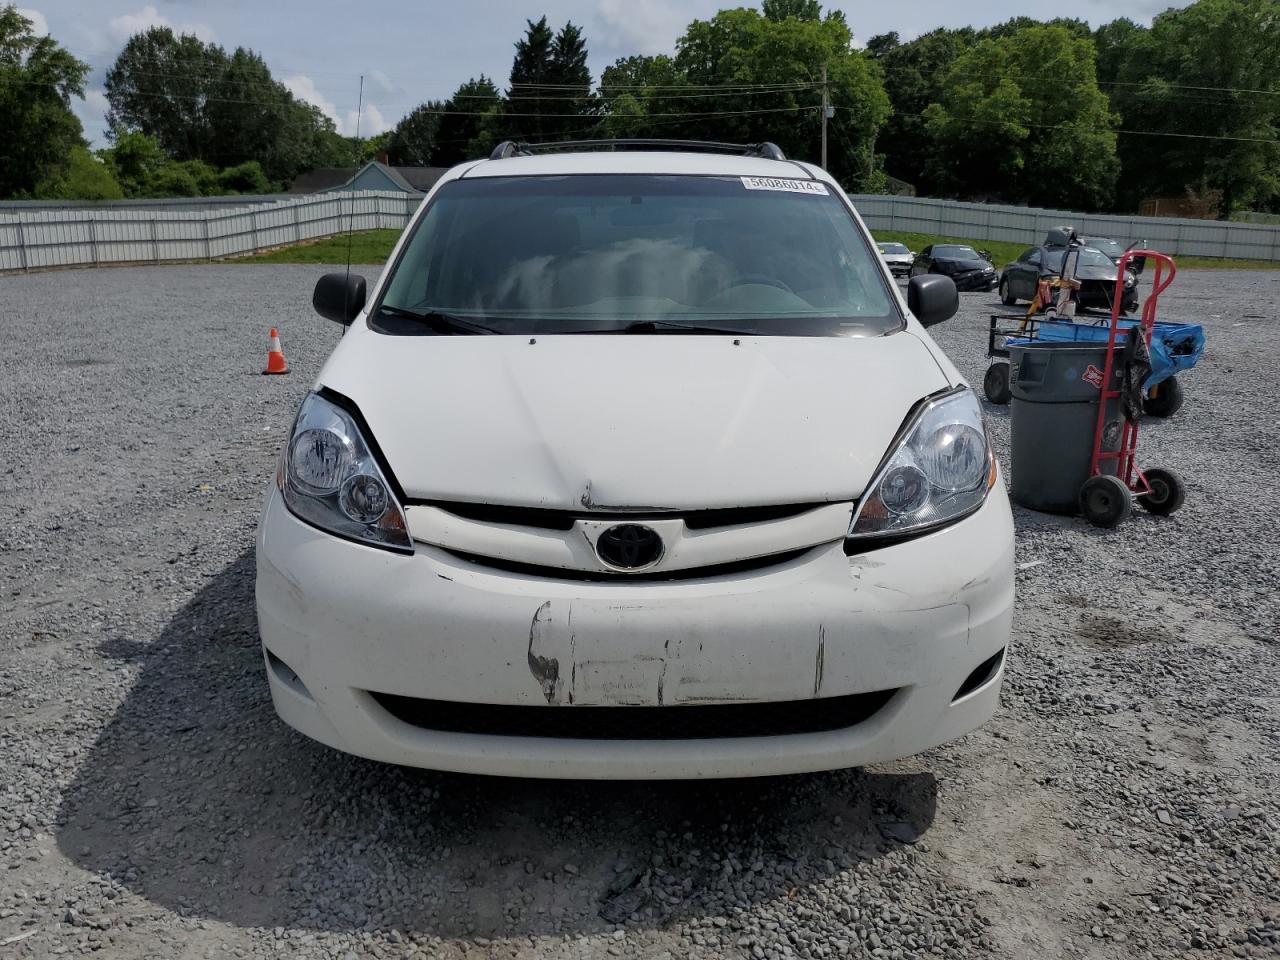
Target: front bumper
[977,280]
[348,628]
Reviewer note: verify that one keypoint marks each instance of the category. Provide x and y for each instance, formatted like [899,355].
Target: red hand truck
[1106,499]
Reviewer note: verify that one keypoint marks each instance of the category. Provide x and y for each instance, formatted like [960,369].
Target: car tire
[1105,501]
[1164,399]
[1168,492]
[1005,297]
[995,384]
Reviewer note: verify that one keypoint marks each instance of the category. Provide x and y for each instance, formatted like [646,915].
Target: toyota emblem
[629,546]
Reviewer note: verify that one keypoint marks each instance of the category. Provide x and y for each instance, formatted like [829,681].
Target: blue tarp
[1174,346]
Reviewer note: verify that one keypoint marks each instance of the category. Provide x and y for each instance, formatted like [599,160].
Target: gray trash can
[1056,390]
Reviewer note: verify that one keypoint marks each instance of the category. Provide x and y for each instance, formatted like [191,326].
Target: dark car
[1095,271]
[961,263]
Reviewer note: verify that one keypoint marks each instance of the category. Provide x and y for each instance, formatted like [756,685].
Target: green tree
[135,159]
[914,73]
[571,79]
[461,125]
[414,138]
[531,71]
[246,177]
[743,48]
[82,177]
[633,88]
[779,10]
[1021,119]
[1114,43]
[38,131]
[1210,72]
[201,103]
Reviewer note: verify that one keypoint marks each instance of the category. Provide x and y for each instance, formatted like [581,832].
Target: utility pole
[826,112]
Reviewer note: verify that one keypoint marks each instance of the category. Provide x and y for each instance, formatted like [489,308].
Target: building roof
[408,179]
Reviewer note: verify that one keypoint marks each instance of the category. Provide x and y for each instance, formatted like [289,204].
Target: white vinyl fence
[103,233]
[983,221]
[107,233]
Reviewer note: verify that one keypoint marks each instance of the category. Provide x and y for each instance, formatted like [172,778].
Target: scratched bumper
[341,622]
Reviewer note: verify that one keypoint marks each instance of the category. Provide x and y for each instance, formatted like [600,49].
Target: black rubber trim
[552,519]
[652,576]
[679,722]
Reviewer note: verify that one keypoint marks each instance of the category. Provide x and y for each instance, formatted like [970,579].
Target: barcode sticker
[784,185]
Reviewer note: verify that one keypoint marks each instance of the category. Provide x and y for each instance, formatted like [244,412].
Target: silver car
[898,257]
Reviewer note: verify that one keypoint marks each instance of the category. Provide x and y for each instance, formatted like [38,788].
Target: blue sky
[415,50]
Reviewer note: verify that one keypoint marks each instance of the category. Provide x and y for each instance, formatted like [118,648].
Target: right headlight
[331,479]
[940,471]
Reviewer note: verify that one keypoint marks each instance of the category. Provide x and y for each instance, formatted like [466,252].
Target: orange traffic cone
[275,356]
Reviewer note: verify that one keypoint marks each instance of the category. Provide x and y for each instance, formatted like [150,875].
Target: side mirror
[932,298]
[339,297]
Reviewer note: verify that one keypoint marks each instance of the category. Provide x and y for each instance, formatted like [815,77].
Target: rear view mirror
[339,297]
[932,298]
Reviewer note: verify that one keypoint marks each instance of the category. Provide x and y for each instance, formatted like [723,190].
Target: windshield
[1088,258]
[893,248]
[953,251]
[604,253]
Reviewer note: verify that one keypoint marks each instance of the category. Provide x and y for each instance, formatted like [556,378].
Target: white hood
[620,422]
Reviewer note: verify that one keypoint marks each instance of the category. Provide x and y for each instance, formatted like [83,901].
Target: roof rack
[519,148]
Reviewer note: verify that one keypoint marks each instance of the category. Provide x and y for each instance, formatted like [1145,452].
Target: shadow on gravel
[196,797]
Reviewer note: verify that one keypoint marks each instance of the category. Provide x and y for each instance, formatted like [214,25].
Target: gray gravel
[1123,802]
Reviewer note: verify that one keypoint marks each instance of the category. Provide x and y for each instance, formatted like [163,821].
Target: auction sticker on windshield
[787,186]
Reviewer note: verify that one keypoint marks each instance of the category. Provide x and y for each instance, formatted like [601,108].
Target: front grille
[697,722]
[547,519]
[652,576]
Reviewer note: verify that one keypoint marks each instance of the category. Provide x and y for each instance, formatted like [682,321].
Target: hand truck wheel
[1105,501]
[1167,491]
[996,384]
[1164,399]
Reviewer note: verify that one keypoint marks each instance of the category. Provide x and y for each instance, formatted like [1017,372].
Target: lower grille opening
[696,722]
[981,674]
[284,673]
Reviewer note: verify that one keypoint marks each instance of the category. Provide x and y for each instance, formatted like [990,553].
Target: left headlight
[330,478]
[940,471]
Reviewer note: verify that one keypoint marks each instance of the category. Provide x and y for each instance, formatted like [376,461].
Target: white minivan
[635,463]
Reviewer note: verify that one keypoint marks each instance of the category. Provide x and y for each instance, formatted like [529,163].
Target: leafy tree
[38,131]
[202,103]
[632,88]
[82,177]
[1021,118]
[1211,72]
[414,138]
[244,178]
[531,72]
[915,73]
[461,124]
[135,159]
[571,78]
[1114,42]
[779,10]
[744,48]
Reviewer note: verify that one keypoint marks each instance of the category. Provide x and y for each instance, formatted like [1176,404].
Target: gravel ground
[1122,803]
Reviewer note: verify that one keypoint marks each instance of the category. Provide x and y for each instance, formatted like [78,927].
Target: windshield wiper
[440,322]
[668,326]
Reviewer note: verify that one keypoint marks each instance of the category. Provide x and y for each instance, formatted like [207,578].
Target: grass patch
[374,246]
[367,247]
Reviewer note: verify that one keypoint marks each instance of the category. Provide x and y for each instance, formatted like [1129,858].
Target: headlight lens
[332,480]
[940,472]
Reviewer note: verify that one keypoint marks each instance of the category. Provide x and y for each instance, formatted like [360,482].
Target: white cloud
[304,88]
[381,82]
[126,25]
[39,25]
[643,26]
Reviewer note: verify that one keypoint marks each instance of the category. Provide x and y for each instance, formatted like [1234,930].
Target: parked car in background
[1094,269]
[897,256]
[1060,236]
[963,264]
[634,464]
